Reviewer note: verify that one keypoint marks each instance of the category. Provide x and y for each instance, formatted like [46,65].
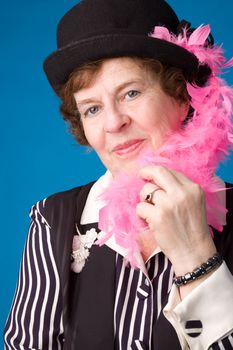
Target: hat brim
[61,63]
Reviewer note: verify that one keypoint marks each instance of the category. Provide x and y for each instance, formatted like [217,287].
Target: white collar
[90,215]
[94,203]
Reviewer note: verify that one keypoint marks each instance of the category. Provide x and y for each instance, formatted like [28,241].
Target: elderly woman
[137,86]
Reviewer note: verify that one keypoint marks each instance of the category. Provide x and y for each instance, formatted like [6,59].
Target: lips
[128,147]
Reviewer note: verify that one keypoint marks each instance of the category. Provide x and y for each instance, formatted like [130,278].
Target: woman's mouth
[128,147]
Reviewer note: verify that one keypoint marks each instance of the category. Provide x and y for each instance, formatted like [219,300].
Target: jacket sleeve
[204,319]
[35,319]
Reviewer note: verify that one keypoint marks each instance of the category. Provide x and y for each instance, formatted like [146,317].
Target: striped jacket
[87,299]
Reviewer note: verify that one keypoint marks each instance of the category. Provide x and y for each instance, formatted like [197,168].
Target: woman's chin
[128,166]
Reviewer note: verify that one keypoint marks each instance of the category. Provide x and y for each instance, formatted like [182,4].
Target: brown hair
[171,79]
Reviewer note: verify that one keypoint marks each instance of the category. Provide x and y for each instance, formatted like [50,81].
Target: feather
[228,63]
[196,150]
[199,36]
[161,33]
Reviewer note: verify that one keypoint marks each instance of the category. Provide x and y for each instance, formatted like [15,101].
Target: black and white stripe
[224,344]
[193,328]
[35,320]
[138,301]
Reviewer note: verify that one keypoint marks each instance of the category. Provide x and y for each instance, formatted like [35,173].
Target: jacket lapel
[90,295]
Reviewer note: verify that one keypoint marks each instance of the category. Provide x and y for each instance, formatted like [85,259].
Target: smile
[128,148]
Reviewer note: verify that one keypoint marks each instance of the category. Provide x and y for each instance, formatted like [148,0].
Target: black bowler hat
[97,29]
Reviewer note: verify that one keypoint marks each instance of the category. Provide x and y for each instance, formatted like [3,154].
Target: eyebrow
[118,89]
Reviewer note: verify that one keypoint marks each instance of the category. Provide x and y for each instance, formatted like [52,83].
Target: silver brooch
[80,248]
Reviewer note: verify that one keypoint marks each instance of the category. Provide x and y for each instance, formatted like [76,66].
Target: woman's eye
[91,111]
[132,94]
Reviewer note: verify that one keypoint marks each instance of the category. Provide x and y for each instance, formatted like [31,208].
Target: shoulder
[60,204]
[229,196]
[229,204]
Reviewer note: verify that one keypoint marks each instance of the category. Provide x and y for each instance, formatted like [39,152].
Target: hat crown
[90,17]
[100,29]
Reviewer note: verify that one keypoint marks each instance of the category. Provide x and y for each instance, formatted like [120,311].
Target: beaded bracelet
[206,267]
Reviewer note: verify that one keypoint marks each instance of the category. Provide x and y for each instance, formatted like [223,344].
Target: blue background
[38,155]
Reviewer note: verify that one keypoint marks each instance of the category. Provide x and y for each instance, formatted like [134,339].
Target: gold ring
[149,197]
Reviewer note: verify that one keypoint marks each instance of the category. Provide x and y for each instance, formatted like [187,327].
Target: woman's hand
[177,217]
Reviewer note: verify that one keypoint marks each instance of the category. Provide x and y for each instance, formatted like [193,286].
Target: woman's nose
[116,119]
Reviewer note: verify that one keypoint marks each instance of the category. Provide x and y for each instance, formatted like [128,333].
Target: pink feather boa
[196,150]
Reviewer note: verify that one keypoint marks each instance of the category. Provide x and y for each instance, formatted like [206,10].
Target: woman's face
[124,113]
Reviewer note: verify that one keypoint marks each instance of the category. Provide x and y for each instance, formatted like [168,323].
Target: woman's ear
[184,110]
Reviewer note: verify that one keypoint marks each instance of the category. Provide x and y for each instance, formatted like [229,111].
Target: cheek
[161,124]
[171,116]
[94,136]
[157,121]
[88,134]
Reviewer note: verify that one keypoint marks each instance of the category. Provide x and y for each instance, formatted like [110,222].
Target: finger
[149,187]
[145,211]
[180,176]
[161,177]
